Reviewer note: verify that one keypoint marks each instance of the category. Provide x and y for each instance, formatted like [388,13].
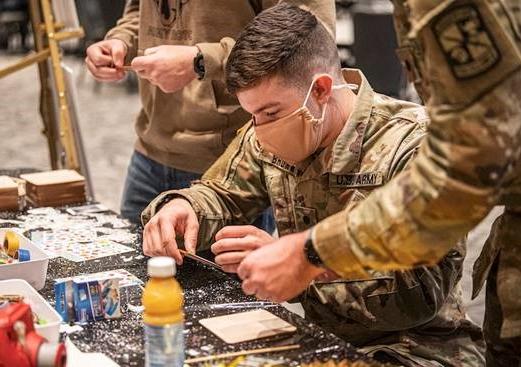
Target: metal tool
[200,259]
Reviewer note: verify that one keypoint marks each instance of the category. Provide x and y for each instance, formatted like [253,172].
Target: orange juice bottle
[163,316]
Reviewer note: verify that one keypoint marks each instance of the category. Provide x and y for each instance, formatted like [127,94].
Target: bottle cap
[161,267]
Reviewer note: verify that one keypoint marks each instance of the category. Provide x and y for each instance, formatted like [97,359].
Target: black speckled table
[208,292]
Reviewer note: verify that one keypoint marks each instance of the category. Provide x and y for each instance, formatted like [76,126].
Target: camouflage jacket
[470,159]
[466,55]
[378,141]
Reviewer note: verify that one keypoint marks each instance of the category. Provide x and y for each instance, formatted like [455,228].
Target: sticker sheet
[78,237]
[79,245]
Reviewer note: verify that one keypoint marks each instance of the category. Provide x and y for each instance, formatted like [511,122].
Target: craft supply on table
[7,299]
[55,188]
[78,237]
[200,259]
[10,252]
[86,299]
[87,209]
[79,244]
[11,243]
[20,343]
[126,279]
[242,353]
[46,319]
[8,193]
[21,259]
[163,316]
[245,326]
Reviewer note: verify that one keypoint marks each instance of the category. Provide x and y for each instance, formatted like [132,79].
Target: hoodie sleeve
[127,27]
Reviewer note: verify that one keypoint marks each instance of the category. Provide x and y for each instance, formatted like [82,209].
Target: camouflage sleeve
[216,54]
[469,152]
[127,27]
[232,191]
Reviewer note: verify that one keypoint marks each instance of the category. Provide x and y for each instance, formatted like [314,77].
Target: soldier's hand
[177,217]
[233,243]
[170,68]
[278,271]
[105,58]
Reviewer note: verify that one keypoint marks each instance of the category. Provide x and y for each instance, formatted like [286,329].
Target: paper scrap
[245,326]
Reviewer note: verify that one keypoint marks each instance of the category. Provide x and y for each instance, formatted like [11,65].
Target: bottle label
[164,345]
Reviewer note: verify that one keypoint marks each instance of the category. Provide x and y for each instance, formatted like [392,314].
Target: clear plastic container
[33,271]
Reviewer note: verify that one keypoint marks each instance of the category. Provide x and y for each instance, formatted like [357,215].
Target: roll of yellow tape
[11,243]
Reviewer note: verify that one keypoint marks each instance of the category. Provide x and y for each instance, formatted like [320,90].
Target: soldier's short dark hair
[283,40]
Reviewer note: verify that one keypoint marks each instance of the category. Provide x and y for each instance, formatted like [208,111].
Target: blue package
[83,299]
[96,300]
[111,298]
[82,307]
[63,294]
[87,301]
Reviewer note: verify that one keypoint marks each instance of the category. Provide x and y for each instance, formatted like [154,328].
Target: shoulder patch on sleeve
[466,42]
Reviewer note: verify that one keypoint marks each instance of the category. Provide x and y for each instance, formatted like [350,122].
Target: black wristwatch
[199,65]
[311,253]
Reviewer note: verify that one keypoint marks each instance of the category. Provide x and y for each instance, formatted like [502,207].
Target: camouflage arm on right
[472,145]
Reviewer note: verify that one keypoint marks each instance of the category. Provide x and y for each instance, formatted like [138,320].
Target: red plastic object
[20,345]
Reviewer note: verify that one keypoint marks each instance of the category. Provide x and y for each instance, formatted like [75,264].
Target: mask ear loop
[307,98]
[334,87]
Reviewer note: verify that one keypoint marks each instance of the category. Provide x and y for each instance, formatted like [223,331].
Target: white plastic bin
[33,271]
[51,330]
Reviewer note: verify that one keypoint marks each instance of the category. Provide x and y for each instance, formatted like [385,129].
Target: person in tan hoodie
[179,48]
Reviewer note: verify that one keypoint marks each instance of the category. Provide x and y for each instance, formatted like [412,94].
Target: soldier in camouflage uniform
[466,55]
[465,58]
[412,317]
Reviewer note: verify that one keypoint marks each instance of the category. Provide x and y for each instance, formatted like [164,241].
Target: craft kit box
[85,299]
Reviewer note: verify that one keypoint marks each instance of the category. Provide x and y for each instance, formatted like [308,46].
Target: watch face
[311,253]
[199,65]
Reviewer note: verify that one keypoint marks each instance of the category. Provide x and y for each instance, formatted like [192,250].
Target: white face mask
[300,125]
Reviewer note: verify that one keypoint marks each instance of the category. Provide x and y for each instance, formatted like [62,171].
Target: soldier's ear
[322,88]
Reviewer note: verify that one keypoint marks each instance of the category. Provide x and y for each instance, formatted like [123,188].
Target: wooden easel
[65,147]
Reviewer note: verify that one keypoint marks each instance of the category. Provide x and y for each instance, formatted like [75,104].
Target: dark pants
[501,352]
[146,179]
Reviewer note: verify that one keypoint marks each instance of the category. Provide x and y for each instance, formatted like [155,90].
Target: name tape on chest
[285,166]
[362,179]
